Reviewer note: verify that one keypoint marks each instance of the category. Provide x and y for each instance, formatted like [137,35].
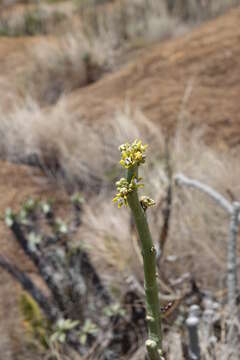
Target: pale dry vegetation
[95,41]
[98,38]
[56,68]
[39,130]
[78,154]
[197,240]
[198,229]
[61,141]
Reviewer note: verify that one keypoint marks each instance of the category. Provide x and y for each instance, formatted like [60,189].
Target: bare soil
[198,74]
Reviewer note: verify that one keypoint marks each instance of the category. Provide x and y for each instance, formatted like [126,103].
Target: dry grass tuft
[129,23]
[194,10]
[66,144]
[95,43]
[88,153]
[58,67]
[81,154]
[34,17]
[198,228]
[98,39]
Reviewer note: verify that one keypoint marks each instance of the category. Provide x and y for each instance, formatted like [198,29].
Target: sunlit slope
[198,74]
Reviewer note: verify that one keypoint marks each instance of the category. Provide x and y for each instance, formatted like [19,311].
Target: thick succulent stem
[152,350]
[149,260]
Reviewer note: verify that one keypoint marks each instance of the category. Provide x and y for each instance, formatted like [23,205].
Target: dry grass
[60,140]
[97,40]
[33,19]
[95,43]
[129,24]
[87,154]
[57,67]
[79,153]
[194,10]
[143,20]
[84,155]
[199,229]
[54,137]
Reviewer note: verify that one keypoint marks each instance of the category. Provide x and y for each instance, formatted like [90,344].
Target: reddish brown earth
[15,58]
[18,183]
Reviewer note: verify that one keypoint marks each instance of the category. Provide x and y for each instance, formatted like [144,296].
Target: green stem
[152,350]
[149,261]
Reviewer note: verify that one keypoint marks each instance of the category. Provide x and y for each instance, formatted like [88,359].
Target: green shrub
[36,325]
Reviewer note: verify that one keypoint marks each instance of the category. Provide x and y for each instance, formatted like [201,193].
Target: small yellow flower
[132,154]
[146,202]
[124,188]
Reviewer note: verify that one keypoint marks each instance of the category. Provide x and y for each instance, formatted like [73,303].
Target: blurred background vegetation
[78,78]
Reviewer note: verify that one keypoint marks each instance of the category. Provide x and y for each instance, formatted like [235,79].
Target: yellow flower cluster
[146,202]
[132,154]
[124,188]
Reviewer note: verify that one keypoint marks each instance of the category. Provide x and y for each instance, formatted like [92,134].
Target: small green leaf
[77,199]
[69,325]
[54,337]
[62,338]
[34,240]
[45,207]
[61,226]
[23,217]
[114,309]
[83,339]
[30,205]
[9,217]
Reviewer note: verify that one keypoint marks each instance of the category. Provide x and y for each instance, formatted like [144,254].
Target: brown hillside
[17,184]
[200,72]
[14,60]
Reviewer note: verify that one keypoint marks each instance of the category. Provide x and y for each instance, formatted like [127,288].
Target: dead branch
[181,179]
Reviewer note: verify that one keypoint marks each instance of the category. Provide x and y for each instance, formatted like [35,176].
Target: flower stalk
[132,156]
